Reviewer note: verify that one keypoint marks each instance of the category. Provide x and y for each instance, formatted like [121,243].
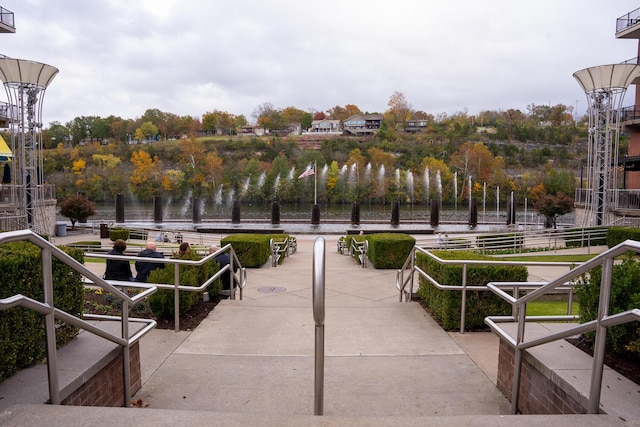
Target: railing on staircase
[405,278]
[237,272]
[600,325]
[51,313]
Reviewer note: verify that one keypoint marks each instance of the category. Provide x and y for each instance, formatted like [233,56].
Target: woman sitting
[118,269]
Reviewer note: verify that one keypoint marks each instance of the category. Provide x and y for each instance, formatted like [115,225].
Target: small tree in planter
[77,207]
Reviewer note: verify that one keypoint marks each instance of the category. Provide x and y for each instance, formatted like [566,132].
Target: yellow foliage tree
[145,178]
[79,166]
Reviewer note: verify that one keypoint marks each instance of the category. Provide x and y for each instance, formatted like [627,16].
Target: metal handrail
[50,312]
[410,265]
[600,325]
[319,255]
[517,240]
[239,278]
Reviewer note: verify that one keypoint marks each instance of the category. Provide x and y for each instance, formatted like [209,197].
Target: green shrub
[445,306]
[162,302]
[617,235]
[389,250]
[252,249]
[22,334]
[118,233]
[621,339]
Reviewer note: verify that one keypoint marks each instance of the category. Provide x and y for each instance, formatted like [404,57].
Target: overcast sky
[192,56]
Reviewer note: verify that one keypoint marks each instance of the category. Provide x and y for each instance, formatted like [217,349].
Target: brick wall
[105,388]
[538,394]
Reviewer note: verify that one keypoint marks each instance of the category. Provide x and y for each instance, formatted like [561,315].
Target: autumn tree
[551,196]
[343,113]
[146,131]
[268,117]
[76,208]
[146,178]
[218,121]
[399,111]
[552,206]
[292,115]
[477,161]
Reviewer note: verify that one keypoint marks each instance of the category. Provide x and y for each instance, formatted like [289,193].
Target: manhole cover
[272,289]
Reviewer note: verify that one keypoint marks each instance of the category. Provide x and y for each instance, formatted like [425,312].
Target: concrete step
[48,415]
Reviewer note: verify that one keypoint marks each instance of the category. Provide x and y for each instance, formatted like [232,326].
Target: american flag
[308,172]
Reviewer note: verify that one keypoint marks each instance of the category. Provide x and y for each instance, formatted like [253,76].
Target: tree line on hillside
[550,124]
[261,170]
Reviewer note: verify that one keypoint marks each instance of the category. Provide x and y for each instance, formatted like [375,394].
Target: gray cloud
[193,56]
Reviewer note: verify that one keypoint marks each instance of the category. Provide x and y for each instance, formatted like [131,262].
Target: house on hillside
[363,124]
[325,126]
[412,126]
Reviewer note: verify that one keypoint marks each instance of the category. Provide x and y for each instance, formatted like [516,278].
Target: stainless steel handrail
[239,277]
[409,264]
[600,325]
[50,312]
[319,255]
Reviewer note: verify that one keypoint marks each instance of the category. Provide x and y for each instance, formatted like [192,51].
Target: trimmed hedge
[616,235]
[622,339]
[445,306]
[162,301]
[22,335]
[252,249]
[118,233]
[389,250]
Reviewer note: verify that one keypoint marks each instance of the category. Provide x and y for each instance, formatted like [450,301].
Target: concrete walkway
[383,358]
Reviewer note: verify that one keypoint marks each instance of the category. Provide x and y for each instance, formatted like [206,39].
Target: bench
[279,249]
[342,246]
[359,251]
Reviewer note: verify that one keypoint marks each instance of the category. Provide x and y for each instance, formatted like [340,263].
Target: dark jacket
[224,259]
[145,268]
[117,269]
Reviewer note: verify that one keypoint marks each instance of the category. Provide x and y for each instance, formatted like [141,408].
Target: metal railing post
[318,316]
[176,297]
[50,327]
[464,298]
[126,354]
[601,337]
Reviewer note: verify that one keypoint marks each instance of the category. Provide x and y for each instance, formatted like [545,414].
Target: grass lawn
[550,308]
[577,258]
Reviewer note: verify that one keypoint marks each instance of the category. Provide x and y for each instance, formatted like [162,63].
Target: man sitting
[223,259]
[145,268]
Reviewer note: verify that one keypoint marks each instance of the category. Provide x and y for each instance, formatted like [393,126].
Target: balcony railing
[616,199]
[628,114]
[630,19]
[6,21]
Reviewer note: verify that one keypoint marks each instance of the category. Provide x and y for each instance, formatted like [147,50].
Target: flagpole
[315,182]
